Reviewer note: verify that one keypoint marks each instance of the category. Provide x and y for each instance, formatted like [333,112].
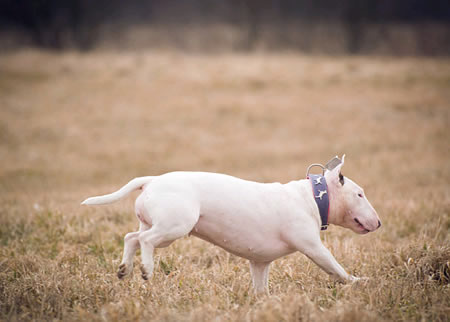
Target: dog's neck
[337,207]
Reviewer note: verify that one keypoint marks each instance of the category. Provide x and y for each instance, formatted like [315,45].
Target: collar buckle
[315,165]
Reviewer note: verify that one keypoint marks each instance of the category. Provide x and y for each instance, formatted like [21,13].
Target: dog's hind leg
[260,276]
[131,245]
[172,218]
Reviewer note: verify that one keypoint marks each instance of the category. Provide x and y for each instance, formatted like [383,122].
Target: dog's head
[349,206]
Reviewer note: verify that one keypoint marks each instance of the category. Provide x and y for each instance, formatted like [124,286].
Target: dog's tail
[136,183]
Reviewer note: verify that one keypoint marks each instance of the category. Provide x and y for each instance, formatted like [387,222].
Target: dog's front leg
[308,242]
[320,255]
[260,276]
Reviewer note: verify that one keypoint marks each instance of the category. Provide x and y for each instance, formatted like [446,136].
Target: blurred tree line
[59,24]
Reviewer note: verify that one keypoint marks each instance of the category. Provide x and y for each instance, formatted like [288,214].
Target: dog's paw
[124,270]
[145,275]
[354,279]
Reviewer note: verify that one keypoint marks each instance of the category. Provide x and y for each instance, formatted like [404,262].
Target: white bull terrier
[257,221]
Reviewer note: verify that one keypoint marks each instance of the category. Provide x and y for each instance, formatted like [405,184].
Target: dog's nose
[379,224]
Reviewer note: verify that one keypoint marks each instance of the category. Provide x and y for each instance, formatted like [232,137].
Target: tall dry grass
[74,125]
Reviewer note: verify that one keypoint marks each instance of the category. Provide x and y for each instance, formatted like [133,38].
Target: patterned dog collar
[320,193]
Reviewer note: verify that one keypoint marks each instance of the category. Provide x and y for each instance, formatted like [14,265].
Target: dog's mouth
[361,226]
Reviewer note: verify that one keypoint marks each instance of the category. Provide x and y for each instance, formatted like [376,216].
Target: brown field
[75,125]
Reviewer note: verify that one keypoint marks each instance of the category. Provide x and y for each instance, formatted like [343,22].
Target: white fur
[257,221]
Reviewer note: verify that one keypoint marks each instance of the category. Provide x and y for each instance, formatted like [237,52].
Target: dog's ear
[335,176]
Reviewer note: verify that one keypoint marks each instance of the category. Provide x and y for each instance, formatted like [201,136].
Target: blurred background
[393,27]
[95,93]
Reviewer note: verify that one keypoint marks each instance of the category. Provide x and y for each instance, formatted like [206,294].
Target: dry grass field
[75,125]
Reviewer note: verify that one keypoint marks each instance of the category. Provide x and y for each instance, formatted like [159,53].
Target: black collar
[320,193]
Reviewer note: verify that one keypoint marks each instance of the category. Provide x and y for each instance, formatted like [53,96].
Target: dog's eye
[360,195]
